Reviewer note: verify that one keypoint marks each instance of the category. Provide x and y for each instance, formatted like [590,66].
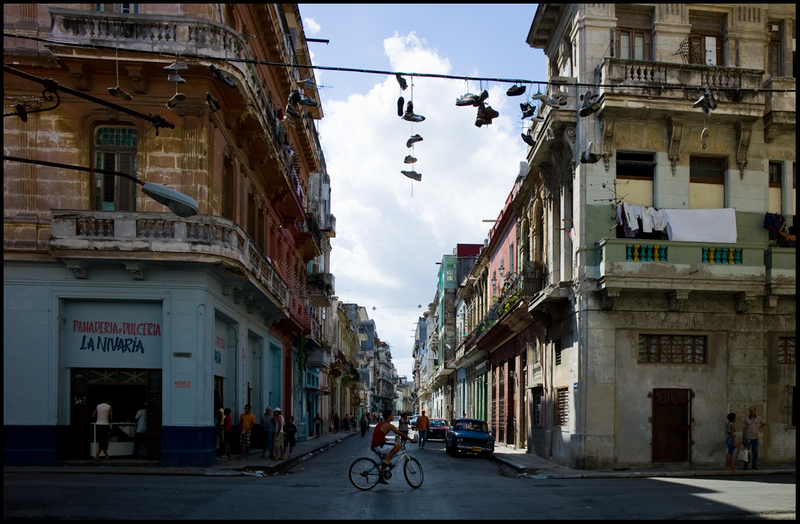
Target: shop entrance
[128,391]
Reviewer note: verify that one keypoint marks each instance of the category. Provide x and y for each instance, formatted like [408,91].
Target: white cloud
[388,240]
[310,26]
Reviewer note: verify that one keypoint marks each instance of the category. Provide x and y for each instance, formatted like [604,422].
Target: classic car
[437,429]
[469,435]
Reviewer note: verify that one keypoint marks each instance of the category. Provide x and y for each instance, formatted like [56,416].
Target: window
[115,149]
[118,8]
[706,39]
[673,349]
[774,54]
[775,174]
[562,407]
[228,189]
[635,165]
[537,410]
[633,38]
[786,350]
[557,351]
[707,170]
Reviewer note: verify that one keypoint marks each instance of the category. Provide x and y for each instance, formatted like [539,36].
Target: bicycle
[365,472]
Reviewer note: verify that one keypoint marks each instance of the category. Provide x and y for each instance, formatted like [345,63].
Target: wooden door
[672,430]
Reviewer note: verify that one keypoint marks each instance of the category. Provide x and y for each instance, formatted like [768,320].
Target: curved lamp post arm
[180,204]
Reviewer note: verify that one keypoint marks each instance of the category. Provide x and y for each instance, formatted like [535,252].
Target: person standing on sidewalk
[141,431]
[278,449]
[318,425]
[246,422]
[291,433]
[423,422]
[364,423]
[268,422]
[227,428]
[752,424]
[730,440]
[104,414]
[335,423]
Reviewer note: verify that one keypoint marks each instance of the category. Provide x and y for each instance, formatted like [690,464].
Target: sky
[391,231]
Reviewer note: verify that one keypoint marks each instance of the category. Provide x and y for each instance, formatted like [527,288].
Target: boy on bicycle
[381,446]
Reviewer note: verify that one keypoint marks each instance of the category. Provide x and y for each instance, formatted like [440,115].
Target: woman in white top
[104,414]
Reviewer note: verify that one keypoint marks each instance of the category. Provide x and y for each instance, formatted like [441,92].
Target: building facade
[115,297]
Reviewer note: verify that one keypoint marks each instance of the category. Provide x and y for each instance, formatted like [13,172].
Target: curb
[521,471]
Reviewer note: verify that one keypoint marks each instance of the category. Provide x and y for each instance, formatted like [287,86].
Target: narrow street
[319,488]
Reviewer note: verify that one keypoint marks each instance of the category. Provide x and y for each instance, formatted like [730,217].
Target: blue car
[469,435]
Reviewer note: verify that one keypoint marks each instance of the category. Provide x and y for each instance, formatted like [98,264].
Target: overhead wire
[659,86]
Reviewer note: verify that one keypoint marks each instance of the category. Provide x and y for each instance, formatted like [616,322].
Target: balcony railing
[638,71]
[320,289]
[318,358]
[162,236]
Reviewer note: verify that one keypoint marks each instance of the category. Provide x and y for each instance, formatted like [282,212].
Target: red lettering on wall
[125,328]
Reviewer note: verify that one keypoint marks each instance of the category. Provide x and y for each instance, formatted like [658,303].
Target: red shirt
[228,423]
[378,435]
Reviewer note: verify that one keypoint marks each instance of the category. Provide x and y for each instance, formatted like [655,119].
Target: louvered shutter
[125,199]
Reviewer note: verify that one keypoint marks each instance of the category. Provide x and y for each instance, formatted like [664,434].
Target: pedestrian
[751,425]
[730,440]
[364,423]
[278,445]
[104,414]
[318,425]
[268,424]
[335,423]
[246,422]
[227,428]
[291,433]
[141,431]
[403,425]
[219,425]
[423,422]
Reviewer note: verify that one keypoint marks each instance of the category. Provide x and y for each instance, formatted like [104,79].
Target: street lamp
[180,204]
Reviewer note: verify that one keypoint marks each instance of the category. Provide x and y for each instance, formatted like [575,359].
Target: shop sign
[113,333]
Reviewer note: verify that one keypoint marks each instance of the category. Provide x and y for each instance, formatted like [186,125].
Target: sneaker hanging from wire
[409,114]
[468,100]
[587,157]
[413,175]
[409,159]
[401,81]
[400,103]
[486,112]
[515,90]
[528,140]
[413,140]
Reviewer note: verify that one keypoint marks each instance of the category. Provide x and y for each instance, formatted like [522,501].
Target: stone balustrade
[162,236]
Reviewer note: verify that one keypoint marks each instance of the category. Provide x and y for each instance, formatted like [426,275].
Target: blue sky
[392,231]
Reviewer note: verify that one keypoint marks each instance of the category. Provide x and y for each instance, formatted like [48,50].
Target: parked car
[413,420]
[438,428]
[469,435]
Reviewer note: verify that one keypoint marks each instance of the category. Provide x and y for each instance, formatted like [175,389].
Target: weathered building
[113,297]
[647,341]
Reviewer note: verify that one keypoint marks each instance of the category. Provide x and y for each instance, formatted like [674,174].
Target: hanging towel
[652,219]
[702,225]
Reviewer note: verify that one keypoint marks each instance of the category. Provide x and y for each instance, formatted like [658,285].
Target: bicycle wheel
[412,469]
[364,473]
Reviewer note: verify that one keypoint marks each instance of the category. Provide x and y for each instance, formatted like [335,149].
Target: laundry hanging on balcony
[686,225]
[628,216]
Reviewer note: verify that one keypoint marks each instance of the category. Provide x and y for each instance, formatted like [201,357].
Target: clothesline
[686,225]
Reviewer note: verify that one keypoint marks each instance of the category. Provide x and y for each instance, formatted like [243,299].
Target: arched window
[115,149]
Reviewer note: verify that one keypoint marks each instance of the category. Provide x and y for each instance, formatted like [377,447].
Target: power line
[660,87]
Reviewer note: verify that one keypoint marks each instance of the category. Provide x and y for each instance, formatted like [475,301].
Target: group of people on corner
[278,433]
[752,424]
[104,415]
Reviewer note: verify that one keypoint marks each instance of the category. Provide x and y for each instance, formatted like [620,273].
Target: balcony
[320,289]
[680,267]
[80,237]
[680,83]
[328,226]
[319,358]
[311,237]
[780,109]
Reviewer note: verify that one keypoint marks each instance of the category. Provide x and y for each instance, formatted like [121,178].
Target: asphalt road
[454,488]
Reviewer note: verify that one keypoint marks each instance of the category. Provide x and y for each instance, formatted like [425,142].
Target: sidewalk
[520,463]
[225,467]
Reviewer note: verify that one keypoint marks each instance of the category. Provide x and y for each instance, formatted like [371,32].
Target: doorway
[128,391]
[672,430]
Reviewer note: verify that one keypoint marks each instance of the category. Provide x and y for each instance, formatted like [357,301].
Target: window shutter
[109,162]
